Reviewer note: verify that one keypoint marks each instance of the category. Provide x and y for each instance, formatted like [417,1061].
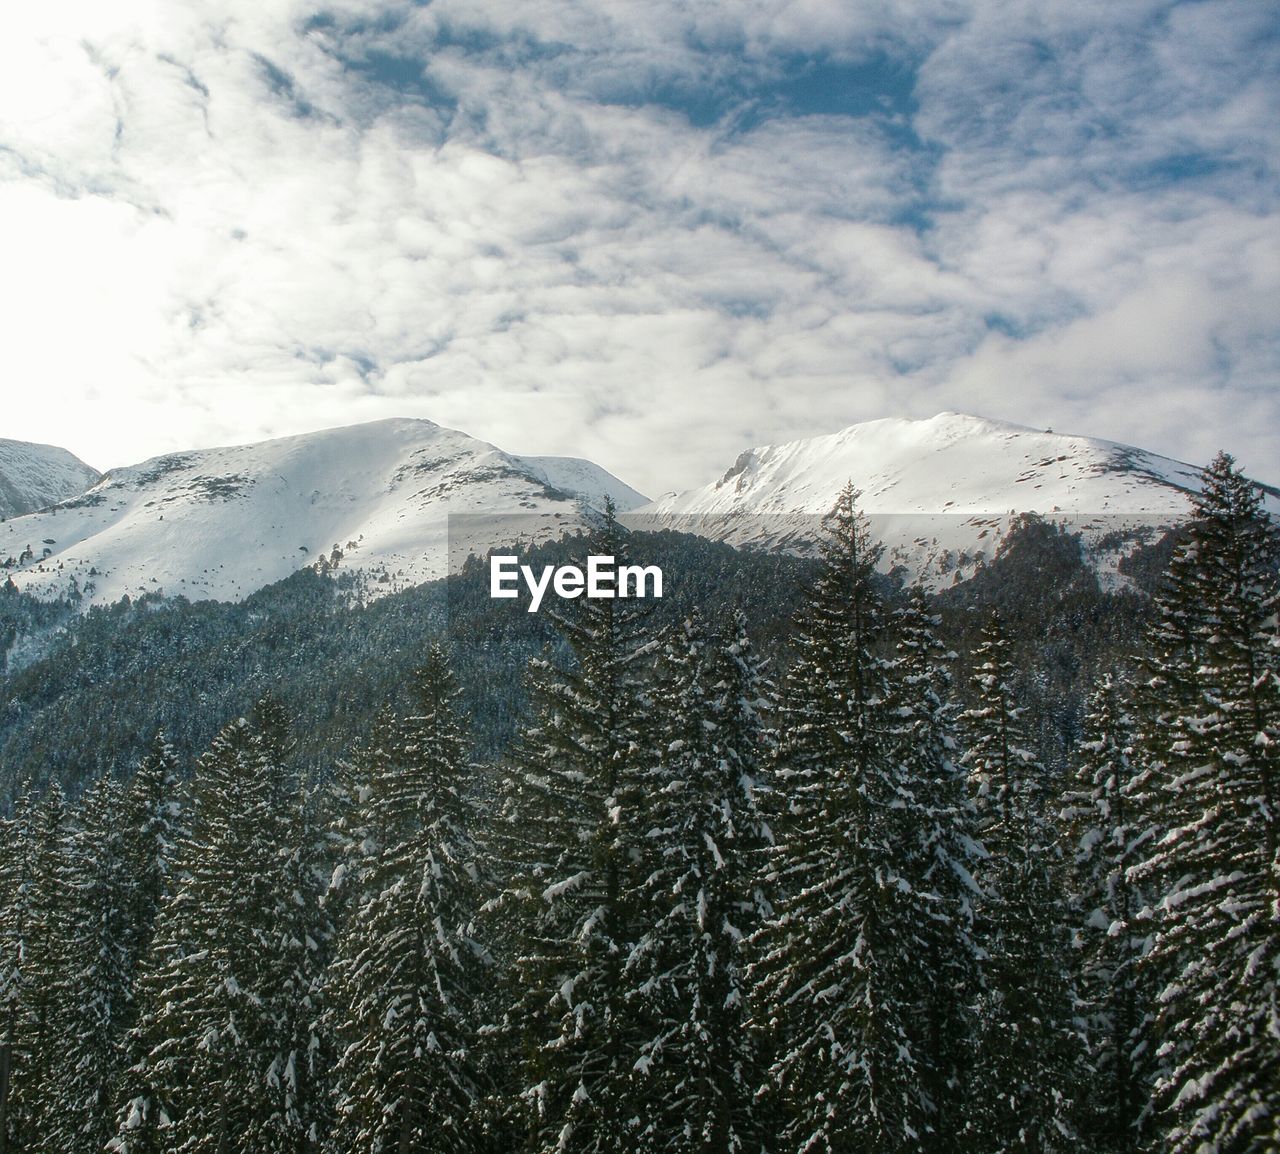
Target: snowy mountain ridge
[35,476]
[941,493]
[220,523]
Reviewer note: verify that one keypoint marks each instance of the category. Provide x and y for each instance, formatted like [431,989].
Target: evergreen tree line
[82,695]
[697,908]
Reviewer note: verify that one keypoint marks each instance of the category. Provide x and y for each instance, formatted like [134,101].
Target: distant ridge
[35,476]
[942,492]
[221,523]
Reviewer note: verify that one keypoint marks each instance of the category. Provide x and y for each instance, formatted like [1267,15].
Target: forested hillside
[793,860]
[83,693]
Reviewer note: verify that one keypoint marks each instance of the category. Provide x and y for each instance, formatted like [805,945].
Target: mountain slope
[35,476]
[220,523]
[941,492]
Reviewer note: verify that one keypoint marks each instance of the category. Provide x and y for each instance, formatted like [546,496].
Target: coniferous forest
[820,864]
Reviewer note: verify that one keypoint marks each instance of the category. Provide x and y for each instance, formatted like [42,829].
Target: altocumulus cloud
[647,234]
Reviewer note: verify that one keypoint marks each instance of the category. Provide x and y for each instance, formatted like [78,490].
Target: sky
[650,234]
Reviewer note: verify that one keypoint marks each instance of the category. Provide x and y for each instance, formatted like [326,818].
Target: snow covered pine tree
[1106,836]
[220,996]
[408,968]
[1028,1068]
[839,980]
[97,982]
[43,1045]
[1212,728]
[701,860]
[570,838]
[940,854]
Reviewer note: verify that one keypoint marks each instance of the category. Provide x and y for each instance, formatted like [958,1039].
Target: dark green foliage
[151,817]
[571,837]
[1147,564]
[303,935]
[1068,630]
[708,923]
[1027,1073]
[701,895]
[839,991]
[25,623]
[45,1040]
[408,970]
[96,983]
[19,971]
[73,921]
[84,703]
[1212,726]
[222,1070]
[941,854]
[1107,835]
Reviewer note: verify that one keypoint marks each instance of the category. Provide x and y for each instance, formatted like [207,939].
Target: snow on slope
[34,476]
[220,523]
[941,492]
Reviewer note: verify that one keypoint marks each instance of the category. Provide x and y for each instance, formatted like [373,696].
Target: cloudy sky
[650,233]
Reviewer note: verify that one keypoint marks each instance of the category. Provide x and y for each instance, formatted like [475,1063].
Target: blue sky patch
[880,88]
[405,75]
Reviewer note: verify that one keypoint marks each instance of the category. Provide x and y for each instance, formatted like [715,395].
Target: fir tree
[303,936]
[348,836]
[214,998]
[408,967]
[17,840]
[152,817]
[941,853]
[703,856]
[44,1039]
[93,997]
[1024,1082]
[1108,836]
[1213,730]
[570,836]
[153,829]
[837,977]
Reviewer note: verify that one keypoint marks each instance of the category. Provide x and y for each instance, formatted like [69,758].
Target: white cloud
[219,224]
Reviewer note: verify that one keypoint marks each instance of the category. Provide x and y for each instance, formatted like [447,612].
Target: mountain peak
[34,476]
[222,522]
[954,462]
[941,491]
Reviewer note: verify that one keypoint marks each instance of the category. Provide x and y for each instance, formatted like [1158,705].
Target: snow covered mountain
[941,493]
[34,476]
[221,523]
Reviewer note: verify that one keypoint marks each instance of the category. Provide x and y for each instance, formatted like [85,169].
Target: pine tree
[94,994]
[347,835]
[303,938]
[1212,727]
[43,1043]
[1024,1081]
[837,978]
[153,830]
[941,854]
[17,840]
[152,816]
[570,838]
[1108,837]
[408,968]
[214,997]
[702,858]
